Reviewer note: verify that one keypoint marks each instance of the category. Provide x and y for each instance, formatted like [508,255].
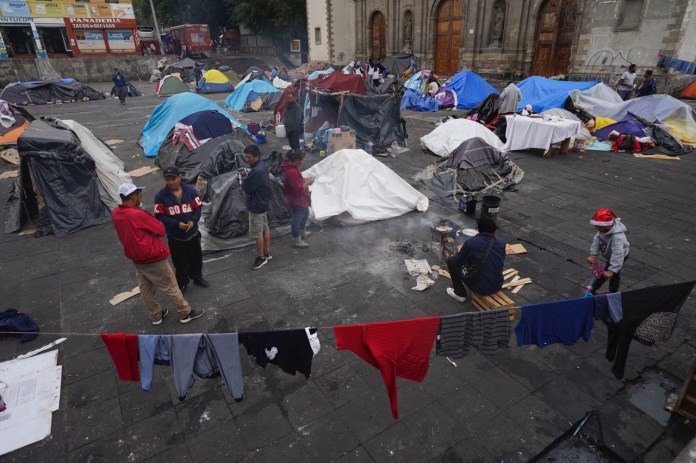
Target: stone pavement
[514,406]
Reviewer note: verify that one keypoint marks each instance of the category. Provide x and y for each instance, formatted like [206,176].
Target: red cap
[603,218]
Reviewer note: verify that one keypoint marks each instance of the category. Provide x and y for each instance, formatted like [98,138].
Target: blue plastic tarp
[416,102]
[237,98]
[166,115]
[543,93]
[471,89]
[414,81]
[316,74]
[208,124]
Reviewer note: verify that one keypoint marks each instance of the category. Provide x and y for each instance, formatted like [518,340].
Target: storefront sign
[99,10]
[122,11]
[15,19]
[76,10]
[14,9]
[101,23]
[121,41]
[47,10]
[90,41]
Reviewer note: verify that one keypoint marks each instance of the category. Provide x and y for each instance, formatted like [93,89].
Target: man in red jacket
[297,194]
[140,234]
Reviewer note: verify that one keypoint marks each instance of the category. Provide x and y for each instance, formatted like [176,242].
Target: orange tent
[689,92]
[13,122]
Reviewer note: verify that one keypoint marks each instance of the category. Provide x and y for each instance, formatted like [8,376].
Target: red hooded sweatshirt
[293,183]
[139,233]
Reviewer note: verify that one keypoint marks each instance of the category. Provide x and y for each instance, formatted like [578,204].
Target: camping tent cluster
[49,91]
[465,90]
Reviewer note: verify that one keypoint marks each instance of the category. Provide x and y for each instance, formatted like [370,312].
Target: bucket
[490,206]
[280,131]
[467,204]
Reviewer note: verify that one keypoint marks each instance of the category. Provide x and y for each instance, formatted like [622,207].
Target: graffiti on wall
[606,57]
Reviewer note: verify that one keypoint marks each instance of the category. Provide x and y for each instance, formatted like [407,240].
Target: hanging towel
[291,350]
[608,307]
[124,353]
[400,348]
[154,350]
[487,331]
[638,305]
[559,321]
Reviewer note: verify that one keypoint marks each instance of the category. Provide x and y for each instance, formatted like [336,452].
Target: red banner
[100,23]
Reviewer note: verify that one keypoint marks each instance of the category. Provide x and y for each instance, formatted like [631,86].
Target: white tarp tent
[352,181]
[110,169]
[448,136]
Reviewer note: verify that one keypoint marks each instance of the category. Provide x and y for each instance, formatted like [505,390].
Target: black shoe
[202,282]
[267,255]
[193,314]
[182,288]
[259,262]
[164,314]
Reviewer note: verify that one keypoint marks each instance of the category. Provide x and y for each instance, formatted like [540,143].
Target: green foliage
[215,13]
[282,19]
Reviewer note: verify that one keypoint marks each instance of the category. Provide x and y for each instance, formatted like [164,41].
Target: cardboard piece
[417,267]
[142,171]
[657,156]
[11,156]
[113,141]
[341,141]
[120,297]
[423,282]
[9,174]
[515,249]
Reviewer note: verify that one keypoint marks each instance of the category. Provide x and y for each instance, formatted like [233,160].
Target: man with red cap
[610,241]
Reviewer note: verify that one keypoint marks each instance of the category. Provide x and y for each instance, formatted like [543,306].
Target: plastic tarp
[13,122]
[64,174]
[354,182]
[299,88]
[446,97]
[110,169]
[414,101]
[280,83]
[318,73]
[676,115]
[448,136]
[130,90]
[414,82]
[399,63]
[626,126]
[184,68]
[338,82]
[165,116]
[238,98]
[543,93]
[217,156]
[45,91]
[254,73]
[565,114]
[471,89]
[214,81]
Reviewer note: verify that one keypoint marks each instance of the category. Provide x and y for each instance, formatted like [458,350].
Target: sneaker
[267,255]
[164,314]
[259,262]
[202,282]
[193,314]
[451,292]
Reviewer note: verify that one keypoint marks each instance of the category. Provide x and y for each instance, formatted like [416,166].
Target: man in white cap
[140,233]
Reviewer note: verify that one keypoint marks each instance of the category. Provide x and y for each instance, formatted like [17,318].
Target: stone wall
[83,69]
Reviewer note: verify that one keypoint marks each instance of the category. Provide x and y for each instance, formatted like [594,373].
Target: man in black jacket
[490,278]
[257,187]
[293,121]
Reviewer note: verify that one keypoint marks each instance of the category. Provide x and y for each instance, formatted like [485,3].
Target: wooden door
[379,36]
[555,37]
[448,28]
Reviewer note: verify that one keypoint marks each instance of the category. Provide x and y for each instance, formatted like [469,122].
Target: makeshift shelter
[416,80]
[48,91]
[471,89]
[355,183]
[13,122]
[629,125]
[57,184]
[171,85]
[247,95]
[666,141]
[232,76]
[414,101]
[185,69]
[300,88]
[190,133]
[399,64]
[473,167]
[130,90]
[446,97]
[215,157]
[543,93]
[165,116]
[319,73]
[214,81]
[448,136]
[254,73]
[338,82]
[486,112]
[689,93]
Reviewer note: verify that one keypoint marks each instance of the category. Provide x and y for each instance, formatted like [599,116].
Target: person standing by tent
[649,86]
[120,85]
[140,233]
[178,206]
[626,83]
[256,186]
[509,99]
[298,195]
[293,121]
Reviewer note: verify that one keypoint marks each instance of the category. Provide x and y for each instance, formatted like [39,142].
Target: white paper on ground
[417,267]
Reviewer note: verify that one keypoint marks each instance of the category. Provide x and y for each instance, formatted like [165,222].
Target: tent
[339,82]
[446,97]
[355,183]
[240,100]
[629,125]
[48,91]
[473,167]
[471,89]
[254,73]
[399,63]
[448,136]
[190,133]
[543,93]
[414,101]
[214,81]
[185,69]
[58,182]
[13,122]
[171,85]
[689,93]
[165,116]
[232,76]
[414,82]
[130,90]
[215,157]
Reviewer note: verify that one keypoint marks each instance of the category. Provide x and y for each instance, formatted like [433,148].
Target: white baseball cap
[128,188]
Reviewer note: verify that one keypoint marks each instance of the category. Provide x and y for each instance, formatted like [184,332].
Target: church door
[379,36]
[448,28]
[555,37]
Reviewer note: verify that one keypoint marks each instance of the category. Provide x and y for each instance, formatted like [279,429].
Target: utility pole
[157,31]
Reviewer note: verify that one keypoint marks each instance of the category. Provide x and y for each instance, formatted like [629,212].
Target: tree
[214,13]
[280,19]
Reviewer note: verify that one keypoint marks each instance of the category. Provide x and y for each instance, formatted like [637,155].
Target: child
[297,194]
[611,242]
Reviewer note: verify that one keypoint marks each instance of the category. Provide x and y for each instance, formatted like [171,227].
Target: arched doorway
[448,26]
[379,36]
[555,37]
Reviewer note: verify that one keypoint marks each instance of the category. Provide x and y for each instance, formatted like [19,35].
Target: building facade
[32,28]
[507,39]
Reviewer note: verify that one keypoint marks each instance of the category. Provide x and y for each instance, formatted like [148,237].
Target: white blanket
[448,136]
[527,132]
[352,181]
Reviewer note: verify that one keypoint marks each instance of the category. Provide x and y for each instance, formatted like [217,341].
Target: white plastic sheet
[448,136]
[353,181]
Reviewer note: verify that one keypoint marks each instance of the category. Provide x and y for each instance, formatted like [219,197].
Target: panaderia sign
[101,23]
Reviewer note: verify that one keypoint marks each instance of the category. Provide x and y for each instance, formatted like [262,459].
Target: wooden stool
[493,302]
